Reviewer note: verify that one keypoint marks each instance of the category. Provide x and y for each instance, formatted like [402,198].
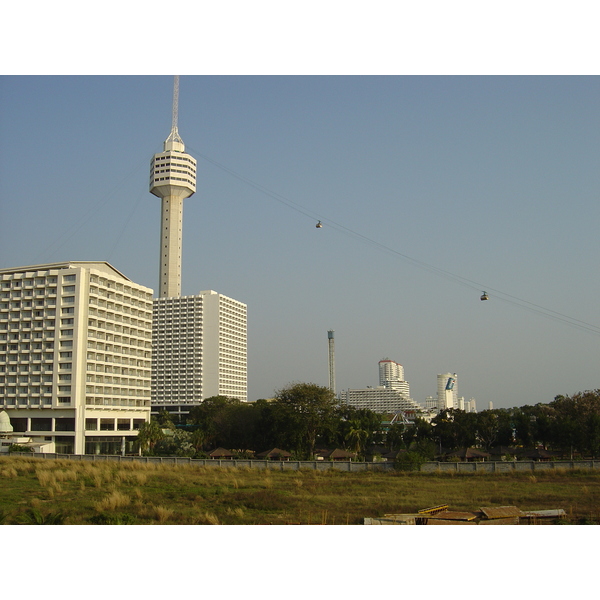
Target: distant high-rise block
[75,355]
[447,391]
[391,375]
[200,350]
[391,396]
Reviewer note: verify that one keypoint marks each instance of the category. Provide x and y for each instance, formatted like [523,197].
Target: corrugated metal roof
[433,509]
[553,512]
[499,512]
[455,515]
[431,521]
[503,521]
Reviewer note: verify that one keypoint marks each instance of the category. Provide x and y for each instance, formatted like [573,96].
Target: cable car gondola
[484,296]
[318,225]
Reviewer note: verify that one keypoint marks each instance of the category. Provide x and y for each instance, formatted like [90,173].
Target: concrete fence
[325,465]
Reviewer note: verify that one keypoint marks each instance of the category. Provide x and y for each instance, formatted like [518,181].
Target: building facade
[380,400]
[391,396]
[199,351]
[447,391]
[75,355]
[391,375]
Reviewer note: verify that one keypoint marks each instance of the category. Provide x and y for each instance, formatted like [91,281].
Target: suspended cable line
[458,279]
[92,210]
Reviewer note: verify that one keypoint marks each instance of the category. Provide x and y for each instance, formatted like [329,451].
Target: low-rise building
[380,399]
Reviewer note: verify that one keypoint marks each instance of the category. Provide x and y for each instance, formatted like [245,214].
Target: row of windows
[171,169]
[37,281]
[182,157]
[120,287]
[103,401]
[192,183]
[146,323]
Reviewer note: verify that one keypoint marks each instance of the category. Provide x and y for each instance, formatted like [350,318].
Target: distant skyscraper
[172,178]
[200,350]
[391,375]
[447,391]
[391,396]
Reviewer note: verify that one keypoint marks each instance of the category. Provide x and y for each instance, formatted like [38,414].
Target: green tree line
[303,417]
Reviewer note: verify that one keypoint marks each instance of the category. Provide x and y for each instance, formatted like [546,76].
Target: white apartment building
[391,375]
[199,351]
[447,391]
[380,400]
[391,396]
[75,355]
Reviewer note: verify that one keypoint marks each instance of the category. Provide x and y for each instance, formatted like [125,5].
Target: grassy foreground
[38,491]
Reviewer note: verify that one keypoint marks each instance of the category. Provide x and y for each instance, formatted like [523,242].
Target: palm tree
[148,435]
[357,437]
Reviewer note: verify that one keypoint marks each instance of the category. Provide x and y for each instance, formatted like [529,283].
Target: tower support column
[170,247]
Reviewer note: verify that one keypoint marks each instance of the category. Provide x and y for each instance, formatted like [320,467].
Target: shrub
[19,448]
[118,519]
[35,517]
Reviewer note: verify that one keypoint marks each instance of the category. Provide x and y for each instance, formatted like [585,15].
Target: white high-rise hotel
[75,355]
[391,375]
[199,342]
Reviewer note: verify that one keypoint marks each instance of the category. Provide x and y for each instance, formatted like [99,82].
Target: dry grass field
[34,491]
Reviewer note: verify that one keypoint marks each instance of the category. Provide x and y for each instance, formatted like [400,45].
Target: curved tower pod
[172,178]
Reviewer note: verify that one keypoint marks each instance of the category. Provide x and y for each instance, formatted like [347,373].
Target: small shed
[274,454]
[221,453]
[538,454]
[336,454]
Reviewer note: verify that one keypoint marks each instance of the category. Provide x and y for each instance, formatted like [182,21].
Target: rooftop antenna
[174,137]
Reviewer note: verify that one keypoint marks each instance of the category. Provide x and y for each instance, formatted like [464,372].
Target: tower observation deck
[172,178]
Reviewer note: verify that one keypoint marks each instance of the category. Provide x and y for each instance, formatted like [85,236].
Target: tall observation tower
[172,178]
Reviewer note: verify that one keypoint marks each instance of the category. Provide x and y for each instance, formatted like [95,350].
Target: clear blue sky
[490,179]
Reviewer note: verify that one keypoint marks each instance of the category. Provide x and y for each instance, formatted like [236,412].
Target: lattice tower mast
[172,178]
[331,360]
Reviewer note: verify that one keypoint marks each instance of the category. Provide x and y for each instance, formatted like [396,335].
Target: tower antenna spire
[174,137]
[175,103]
